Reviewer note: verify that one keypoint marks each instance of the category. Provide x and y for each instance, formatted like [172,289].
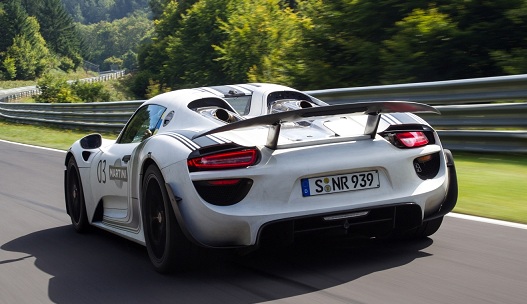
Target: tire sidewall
[81,223]
[165,263]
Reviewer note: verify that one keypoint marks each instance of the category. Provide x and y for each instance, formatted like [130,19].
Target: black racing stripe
[406,118]
[219,139]
[394,118]
[185,141]
[204,141]
[241,88]
[249,87]
[388,119]
[189,141]
[213,91]
[224,90]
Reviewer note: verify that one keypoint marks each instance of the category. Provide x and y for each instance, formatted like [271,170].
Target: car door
[113,166]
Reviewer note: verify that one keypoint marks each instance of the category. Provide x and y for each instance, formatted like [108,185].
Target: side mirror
[92,141]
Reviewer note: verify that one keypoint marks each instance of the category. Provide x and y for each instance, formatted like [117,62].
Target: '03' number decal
[101,171]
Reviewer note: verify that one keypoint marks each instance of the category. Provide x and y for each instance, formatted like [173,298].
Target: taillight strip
[412,139]
[224,160]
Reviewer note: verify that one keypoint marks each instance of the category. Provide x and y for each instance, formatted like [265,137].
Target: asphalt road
[42,260]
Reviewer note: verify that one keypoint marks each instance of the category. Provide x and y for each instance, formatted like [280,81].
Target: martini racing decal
[118,173]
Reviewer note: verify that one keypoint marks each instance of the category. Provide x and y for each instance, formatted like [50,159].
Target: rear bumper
[210,226]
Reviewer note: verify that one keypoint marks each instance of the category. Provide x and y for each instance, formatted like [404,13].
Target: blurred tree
[119,39]
[485,28]
[513,58]
[261,44]
[422,49]
[343,46]
[192,60]
[175,50]
[59,31]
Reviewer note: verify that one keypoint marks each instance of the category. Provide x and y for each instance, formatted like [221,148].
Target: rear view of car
[233,166]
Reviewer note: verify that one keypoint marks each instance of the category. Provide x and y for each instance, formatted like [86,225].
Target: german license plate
[340,183]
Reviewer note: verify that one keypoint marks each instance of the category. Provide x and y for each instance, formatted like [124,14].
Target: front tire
[165,242]
[75,197]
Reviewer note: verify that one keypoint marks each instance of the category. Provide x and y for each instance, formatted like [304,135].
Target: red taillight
[224,160]
[412,139]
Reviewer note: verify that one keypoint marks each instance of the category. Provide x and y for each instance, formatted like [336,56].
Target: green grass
[43,136]
[8,84]
[490,185]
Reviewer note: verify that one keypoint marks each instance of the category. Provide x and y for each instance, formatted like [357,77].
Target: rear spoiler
[373,109]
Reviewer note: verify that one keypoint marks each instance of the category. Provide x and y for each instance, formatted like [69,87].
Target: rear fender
[452,193]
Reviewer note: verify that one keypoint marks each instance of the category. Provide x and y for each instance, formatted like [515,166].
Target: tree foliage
[59,31]
[261,43]
[116,43]
[36,36]
[23,51]
[323,44]
[95,11]
[417,49]
[308,44]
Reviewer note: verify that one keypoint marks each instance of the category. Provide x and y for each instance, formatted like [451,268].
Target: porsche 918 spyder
[231,166]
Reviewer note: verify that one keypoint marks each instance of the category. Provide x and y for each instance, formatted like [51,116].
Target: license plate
[340,183]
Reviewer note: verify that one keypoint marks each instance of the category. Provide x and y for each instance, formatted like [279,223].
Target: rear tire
[75,197]
[166,245]
[428,228]
[425,230]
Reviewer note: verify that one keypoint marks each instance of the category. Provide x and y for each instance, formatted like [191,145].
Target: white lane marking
[37,147]
[456,215]
[487,220]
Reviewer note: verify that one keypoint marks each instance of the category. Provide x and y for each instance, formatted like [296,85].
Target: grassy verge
[490,185]
[43,136]
[7,84]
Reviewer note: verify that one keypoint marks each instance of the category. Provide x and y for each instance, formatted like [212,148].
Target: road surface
[42,260]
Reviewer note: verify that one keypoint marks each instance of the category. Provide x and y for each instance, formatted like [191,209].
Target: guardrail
[10,95]
[464,91]
[98,117]
[111,116]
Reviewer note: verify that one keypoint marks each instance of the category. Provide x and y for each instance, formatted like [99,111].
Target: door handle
[126,158]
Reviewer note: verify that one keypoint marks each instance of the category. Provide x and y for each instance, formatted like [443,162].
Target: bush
[140,83]
[90,92]
[57,90]
[9,66]
[66,64]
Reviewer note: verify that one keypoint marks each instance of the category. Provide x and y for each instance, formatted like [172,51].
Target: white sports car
[236,165]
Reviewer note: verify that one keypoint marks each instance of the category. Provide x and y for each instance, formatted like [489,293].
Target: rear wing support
[372,109]
[372,124]
[272,136]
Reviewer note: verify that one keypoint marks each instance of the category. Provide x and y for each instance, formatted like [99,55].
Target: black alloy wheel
[75,197]
[165,242]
